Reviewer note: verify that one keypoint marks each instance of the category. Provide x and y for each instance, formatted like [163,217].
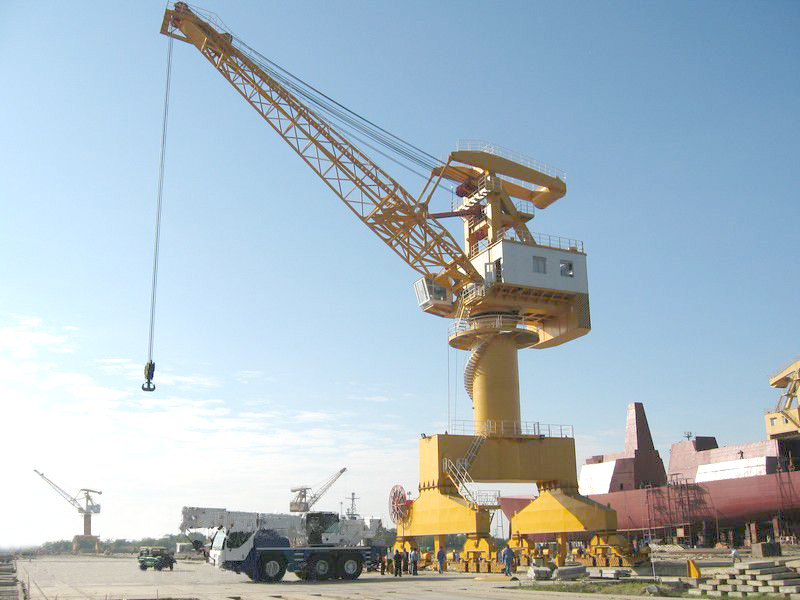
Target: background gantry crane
[88,508]
[302,502]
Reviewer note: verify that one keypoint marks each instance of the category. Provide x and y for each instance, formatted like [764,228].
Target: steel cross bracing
[374,196]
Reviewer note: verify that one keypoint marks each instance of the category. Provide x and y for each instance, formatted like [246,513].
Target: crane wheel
[321,567]
[350,566]
[273,567]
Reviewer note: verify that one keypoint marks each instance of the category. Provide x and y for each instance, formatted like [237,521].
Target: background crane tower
[302,502]
[87,509]
[784,421]
[506,289]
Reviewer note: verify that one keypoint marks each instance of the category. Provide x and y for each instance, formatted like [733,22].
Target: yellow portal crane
[509,289]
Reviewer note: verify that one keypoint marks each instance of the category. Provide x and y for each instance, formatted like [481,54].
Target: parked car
[157,557]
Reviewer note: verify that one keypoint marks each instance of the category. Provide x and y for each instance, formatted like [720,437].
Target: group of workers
[408,562]
[403,561]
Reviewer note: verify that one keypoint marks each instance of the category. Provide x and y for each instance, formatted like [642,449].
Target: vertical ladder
[785,490]
[472,451]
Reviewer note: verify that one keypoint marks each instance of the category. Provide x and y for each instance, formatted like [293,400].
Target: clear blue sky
[288,338]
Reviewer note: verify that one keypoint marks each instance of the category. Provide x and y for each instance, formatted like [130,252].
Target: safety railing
[493,428]
[486,498]
[461,478]
[784,367]
[541,239]
[503,322]
[483,146]
[472,292]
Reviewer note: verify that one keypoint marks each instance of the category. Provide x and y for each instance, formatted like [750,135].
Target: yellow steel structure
[785,420]
[376,198]
[508,289]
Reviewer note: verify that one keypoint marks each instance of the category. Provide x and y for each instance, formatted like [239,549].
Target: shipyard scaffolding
[679,513]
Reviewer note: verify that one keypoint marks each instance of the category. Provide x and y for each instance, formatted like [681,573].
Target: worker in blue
[441,556]
[508,561]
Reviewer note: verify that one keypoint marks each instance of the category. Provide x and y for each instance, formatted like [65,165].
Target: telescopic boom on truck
[315,545]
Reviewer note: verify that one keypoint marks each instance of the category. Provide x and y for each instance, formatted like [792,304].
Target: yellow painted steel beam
[434,513]
[519,459]
[379,201]
[785,376]
[560,511]
[556,188]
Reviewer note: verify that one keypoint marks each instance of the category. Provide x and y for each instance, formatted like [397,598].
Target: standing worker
[441,556]
[398,563]
[508,561]
[414,558]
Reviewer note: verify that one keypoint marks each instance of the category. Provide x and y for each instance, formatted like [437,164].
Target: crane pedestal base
[545,461]
[86,543]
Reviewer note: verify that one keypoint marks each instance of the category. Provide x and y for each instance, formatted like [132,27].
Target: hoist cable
[335,114]
[150,367]
[338,111]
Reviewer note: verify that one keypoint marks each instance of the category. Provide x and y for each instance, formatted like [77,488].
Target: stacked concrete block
[766,549]
[755,577]
[10,587]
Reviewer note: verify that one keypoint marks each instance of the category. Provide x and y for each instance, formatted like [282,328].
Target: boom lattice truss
[381,203]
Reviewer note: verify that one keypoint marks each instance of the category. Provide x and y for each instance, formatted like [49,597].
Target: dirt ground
[99,578]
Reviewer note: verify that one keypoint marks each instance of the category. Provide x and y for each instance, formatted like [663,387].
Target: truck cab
[320,528]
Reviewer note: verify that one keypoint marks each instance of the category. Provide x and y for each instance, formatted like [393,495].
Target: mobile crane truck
[265,546]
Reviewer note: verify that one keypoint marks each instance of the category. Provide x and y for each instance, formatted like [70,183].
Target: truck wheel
[321,567]
[350,566]
[143,566]
[273,567]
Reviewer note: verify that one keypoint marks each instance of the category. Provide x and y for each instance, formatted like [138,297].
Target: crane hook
[149,371]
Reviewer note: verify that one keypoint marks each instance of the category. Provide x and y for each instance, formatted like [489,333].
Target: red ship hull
[761,497]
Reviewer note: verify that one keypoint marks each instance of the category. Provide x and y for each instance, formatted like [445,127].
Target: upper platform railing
[525,161]
[512,429]
[542,239]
